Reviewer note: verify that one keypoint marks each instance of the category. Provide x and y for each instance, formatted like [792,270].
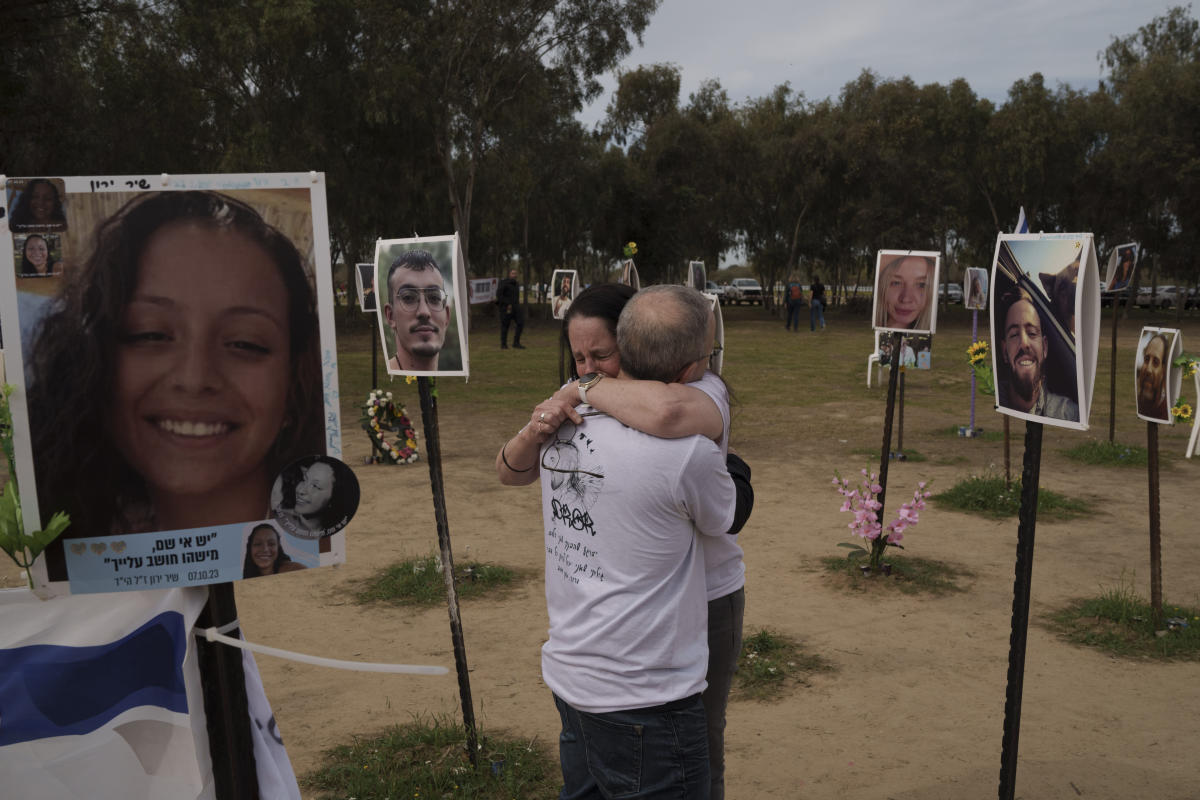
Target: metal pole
[226,709]
[1156,600]
[1007,459]
[433,453]
[374,363]
[1030,475]
[900,432]
[893,380]
[974,339]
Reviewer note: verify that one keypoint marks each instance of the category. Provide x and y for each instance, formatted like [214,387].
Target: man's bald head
[662,331]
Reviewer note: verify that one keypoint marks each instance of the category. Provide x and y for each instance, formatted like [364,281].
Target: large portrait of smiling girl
[178,368]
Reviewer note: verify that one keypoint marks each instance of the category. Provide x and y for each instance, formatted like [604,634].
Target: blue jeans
[643,753]
[816,314]
[793,315]
[724,647]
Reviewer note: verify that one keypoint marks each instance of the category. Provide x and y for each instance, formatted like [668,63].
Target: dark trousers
[655,753]
[724,646]
[515,316]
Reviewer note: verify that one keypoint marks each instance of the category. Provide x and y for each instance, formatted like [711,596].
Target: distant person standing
[816,311]
[795,300]
[508,297]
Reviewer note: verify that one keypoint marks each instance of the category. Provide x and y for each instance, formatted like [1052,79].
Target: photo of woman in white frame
[905,297]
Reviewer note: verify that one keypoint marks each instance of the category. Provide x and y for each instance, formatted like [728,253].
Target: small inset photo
[270,551]
[314,497]
[564,285]
[696,277]
[36,204]
[1156,380]
[38,255]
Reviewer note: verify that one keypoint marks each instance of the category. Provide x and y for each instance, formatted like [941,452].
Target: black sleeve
[739,470]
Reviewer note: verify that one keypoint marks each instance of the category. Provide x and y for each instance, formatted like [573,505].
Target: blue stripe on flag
[56,690]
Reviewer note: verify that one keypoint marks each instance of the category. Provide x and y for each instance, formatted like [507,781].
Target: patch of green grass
[910,574]
[771,662]
[418,581]
[1121,623]
[987,495]
[1105,453]
[428,759]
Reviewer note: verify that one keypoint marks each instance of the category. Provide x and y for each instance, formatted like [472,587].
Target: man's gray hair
[663,330]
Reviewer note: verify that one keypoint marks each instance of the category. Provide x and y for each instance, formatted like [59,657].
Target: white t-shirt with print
[625,584]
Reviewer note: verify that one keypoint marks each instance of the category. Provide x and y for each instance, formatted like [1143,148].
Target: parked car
[953,291]
[748,291]
[712,287]
[1163,298]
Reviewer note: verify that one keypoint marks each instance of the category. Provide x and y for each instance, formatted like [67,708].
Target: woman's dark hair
[22,213]
[249,568]
[601,302]
[27,267]
[343,501]
[77,468]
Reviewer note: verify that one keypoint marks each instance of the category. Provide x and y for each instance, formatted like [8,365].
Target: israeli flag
[100,697]
[1022,223]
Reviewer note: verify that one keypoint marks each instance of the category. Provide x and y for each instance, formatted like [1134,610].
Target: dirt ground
[914,709]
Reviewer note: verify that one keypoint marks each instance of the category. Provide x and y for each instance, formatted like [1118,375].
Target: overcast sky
[751,46]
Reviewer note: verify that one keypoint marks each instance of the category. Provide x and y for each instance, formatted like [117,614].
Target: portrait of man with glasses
[418,310]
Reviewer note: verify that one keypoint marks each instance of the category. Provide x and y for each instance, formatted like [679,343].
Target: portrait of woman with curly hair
[177,373]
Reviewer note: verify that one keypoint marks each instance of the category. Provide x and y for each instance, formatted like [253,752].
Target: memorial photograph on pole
[696,277]
[1156,379]
[421,323]
[1045,318]
[183,358]
[1121,264]
[905,297]
[629,275]
[977,288]
[564,288]
[364,282]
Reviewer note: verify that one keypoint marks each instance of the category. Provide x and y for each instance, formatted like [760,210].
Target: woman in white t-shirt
[668,410]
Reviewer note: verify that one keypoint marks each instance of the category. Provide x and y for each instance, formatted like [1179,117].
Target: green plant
[427,758]
[418,581]
[21,547]
[1120,622]
[769,661]
[988,495]
[1103,452]
[908,574]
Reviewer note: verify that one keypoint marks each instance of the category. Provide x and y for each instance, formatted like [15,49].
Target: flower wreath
[382,416]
